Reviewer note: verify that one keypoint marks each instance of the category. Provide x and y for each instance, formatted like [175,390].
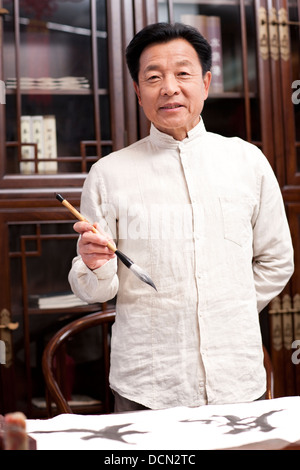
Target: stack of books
[56,300]
[49,83]
[39,130]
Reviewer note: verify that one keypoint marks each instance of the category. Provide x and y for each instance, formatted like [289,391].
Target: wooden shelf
[33,91]
[230,95]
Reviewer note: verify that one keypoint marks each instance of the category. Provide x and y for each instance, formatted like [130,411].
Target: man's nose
[170,86]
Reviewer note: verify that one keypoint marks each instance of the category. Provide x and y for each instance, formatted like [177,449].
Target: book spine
[27,151]
[214,37]
[37,134]
[50,144]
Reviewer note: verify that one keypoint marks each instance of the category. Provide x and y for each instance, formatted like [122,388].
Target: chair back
[54,389]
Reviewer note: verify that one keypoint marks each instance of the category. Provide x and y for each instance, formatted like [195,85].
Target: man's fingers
[82,227]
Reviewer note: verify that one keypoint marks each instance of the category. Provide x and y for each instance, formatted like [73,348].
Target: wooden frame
[54,386]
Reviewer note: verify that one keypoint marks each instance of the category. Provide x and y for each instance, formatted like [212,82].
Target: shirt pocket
[236,214]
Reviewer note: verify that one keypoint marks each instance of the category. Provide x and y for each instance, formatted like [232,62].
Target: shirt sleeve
[273,263]
[101,284]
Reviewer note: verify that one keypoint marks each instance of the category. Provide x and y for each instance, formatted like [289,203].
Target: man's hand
[93,246]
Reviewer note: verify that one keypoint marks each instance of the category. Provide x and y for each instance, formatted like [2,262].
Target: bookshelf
[260,103]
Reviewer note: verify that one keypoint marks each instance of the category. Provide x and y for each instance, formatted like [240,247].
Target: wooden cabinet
[260,102]
[66,60]
[61,65]
[260,74]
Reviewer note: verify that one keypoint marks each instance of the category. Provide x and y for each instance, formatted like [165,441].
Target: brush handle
[79,216]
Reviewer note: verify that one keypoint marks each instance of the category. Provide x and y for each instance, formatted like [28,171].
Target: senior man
[204,216]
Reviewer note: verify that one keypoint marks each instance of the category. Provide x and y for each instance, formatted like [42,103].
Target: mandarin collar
[164,140]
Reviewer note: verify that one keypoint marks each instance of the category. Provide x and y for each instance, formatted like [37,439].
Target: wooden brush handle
[79,216]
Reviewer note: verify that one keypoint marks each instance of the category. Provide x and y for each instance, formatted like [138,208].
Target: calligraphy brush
[142,275]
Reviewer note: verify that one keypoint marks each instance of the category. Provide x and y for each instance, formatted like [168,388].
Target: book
[213,31]
[59,300]
[27,151]
[39,130]
[50,144]
[75,400]
[210,28]
[49,83]
[38,138]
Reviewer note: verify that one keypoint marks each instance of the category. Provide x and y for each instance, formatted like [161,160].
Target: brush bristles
[142,275]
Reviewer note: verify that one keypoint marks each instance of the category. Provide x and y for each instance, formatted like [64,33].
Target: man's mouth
[171,106]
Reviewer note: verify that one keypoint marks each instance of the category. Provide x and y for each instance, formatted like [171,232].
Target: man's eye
[182,74]
[153,78]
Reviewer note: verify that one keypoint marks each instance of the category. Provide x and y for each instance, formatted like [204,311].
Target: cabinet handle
[263,34]
[284,37]
[10,326]
[5,322]
[274,35]
[6,326]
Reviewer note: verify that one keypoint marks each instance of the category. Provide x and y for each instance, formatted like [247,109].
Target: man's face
[171,87]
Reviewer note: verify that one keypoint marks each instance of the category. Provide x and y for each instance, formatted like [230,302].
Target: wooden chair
[270,374]
[51,361]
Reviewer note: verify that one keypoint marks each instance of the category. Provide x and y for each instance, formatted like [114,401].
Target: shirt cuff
[108,269]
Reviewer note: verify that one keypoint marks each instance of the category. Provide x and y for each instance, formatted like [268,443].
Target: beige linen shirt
[205,218]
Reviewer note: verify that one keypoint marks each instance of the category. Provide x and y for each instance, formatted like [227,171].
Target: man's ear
[137,91]
[207,81]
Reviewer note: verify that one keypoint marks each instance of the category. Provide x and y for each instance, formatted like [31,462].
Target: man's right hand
[93,246]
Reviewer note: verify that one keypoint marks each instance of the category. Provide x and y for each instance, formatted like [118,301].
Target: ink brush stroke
[139,272]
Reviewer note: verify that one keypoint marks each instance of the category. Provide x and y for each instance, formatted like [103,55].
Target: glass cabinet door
[289,36]
[232,107]
[256,67]
[55,62]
